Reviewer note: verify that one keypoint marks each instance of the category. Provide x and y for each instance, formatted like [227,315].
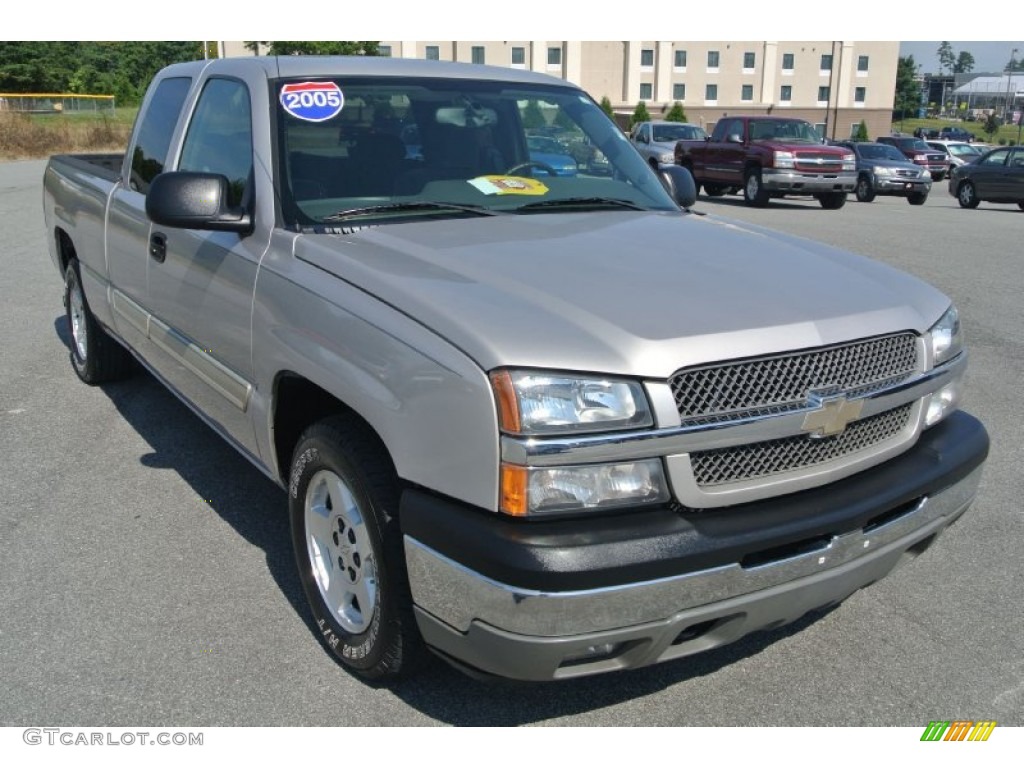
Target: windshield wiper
[581,202]
[370,210]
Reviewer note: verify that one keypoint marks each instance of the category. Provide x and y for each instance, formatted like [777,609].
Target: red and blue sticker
[313,102]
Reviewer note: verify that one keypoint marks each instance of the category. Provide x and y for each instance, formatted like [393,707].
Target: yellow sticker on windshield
[509,185]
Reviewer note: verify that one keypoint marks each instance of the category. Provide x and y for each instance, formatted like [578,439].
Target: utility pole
[1009,81]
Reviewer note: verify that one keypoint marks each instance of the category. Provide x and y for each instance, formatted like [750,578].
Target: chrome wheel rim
[966,194]
[76,309]
[340,554]
[862,188]
[752,186]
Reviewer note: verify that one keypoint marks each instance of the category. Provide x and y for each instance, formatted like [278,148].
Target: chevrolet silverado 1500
[542,425]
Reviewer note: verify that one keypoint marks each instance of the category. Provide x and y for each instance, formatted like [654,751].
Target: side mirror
[680,184]
[188,200]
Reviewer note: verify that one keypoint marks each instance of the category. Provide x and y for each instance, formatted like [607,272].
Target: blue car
[550,154]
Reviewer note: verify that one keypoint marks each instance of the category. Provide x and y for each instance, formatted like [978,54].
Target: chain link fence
[55,103]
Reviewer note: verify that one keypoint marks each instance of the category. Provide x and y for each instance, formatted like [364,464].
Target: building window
[787,62]
[786,93]
[384,50]
[554,57]
[859,94]
[680,60]
[826,62]
[647,57]
[433,53]
[747,93]
[713,60]
[710,93]
[823,93]
[477,54]
[679,91]
[519,56]
[646,91]
[862,63]
[748,60]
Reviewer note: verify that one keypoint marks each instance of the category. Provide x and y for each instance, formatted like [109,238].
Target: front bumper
[798,183]
[562,599]
[893,185]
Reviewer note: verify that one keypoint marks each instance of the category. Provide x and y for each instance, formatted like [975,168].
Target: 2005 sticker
[312,102]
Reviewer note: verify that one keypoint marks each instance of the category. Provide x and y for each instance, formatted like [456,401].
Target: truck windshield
[382,146]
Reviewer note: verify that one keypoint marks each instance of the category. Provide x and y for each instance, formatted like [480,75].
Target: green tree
[862,132]
[640,114]
[606,107]
[908,90]
[677,114]
[532,116]
[323,48]
[964,63]
[991,126]
[947,58]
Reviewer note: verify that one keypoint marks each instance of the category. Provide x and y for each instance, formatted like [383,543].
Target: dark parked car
[883,170]
[953,133]
[996,177]
[917,151]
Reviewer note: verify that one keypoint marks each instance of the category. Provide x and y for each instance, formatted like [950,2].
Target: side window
[219,138]
[154,137]
[997,158]
[645,132]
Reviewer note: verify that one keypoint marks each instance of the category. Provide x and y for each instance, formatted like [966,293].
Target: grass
[27,136]
[1008,133]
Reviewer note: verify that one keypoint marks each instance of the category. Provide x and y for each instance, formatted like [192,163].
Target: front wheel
[865,192]
[754,192]
[967,196]
[95,356]
[343,502]
[832,201]
[917,198]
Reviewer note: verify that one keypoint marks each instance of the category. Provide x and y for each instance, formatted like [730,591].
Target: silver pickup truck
[544,426]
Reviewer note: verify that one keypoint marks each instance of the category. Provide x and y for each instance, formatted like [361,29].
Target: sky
[988,56]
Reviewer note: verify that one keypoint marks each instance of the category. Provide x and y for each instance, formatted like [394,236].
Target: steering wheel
[531,164]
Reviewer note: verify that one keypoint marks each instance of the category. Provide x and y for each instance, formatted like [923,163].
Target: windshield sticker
[312,102]
[509,185]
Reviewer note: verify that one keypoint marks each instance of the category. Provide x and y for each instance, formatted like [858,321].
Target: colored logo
[313,102]
[958,730]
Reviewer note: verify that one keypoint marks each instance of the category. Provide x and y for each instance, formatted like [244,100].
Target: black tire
[754,192]
[967,195]
[832,201]
[864,191]
[95,356]
[336,456]
[1021,206]
[917,198]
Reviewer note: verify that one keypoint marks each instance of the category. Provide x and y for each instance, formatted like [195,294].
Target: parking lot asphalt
[146,573]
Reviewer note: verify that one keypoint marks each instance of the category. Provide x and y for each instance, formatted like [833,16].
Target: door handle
[158,247]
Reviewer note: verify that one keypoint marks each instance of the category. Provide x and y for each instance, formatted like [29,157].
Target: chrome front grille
[772,457]
[780,383]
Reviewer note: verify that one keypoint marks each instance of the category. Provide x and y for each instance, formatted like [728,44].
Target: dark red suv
[917,151]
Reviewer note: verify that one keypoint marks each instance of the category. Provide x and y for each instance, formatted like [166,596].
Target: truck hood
[634,293]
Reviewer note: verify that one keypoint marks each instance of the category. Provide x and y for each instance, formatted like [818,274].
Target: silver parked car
[656,140]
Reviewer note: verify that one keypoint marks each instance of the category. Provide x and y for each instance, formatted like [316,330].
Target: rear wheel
[917,198]
[865,192]
[832,201]
[95,356]
[754,192]
[967,196]
[343,501]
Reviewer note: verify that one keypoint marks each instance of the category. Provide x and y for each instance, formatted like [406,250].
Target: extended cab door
[201,283]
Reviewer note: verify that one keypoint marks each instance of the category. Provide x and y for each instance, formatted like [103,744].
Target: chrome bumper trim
[459,596]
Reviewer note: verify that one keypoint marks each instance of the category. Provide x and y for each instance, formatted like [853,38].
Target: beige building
[833,84]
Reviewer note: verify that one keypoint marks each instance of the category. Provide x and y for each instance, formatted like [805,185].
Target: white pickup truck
[542,425]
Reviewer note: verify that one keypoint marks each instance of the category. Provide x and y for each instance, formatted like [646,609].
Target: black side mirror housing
[680,184]
[188,200]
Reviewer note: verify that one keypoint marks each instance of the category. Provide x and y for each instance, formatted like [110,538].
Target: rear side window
[219,138]
[154,138]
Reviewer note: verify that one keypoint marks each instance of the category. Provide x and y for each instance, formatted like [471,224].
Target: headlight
[849,162]
[946,340]
[540,491]
[667,158]
[784,159]
[881,170]
[539,403]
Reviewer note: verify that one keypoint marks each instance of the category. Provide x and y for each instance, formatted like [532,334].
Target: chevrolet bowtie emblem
[832,417]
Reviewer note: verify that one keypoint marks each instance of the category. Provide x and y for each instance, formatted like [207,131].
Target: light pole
[1009,81]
